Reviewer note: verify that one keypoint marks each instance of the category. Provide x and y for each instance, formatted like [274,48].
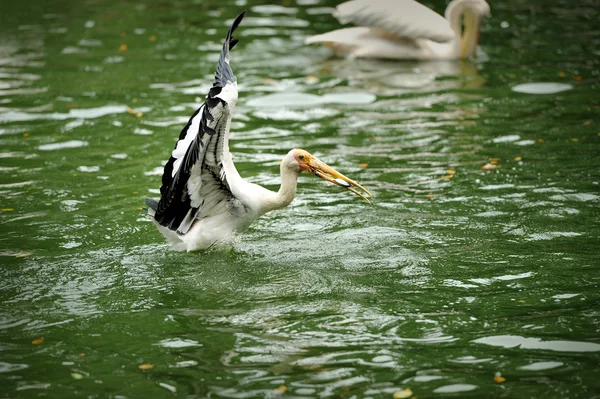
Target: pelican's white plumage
[405,29]
[204,200]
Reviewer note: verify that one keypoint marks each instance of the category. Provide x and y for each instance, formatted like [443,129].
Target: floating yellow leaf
[403,394]
[587,123]
[494,161]
[429,195]
[130,111]
[499,379]
[7,209]
[26,134]
[152,38]
[139,114]
[521,301]
[363,165]
[448,177]
[311,79]
[281,389]
[139,208]
[81,355]
[540,140]
[578,78]
[574,139]
[37,341]
[562,74]
[450,172]
[123,47]
[518,159]
[145,366]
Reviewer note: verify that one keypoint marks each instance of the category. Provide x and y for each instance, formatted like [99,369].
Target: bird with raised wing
[204,200]
[405,29]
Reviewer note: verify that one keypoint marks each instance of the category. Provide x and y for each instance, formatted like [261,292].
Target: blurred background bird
[405,29]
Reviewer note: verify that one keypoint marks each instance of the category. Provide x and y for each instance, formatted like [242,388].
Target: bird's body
[405,29]
[204,200]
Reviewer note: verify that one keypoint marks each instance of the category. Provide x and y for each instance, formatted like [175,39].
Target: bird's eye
[301,157]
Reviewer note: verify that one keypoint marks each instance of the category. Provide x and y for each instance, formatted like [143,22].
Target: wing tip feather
[224,73]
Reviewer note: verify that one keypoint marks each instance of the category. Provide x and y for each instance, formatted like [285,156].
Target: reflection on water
[508,341]
[542,88]
[477,260]
[393,78]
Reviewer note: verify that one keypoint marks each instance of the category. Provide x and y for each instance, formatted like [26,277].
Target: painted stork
[405,29]
[204,200]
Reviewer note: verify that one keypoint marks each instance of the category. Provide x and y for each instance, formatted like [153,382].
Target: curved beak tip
[331,175]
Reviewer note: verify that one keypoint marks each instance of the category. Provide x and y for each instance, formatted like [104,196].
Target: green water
[455,275]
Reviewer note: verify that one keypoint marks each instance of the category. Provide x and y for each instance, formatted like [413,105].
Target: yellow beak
[326,172]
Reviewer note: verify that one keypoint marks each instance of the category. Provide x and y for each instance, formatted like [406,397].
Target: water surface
[474,274]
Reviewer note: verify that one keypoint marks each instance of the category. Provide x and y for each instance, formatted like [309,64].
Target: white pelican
[204,201]
[405,29]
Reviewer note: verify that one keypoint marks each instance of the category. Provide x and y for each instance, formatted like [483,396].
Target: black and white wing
[194,182]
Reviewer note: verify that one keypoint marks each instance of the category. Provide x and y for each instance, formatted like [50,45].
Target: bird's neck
[286,193]
[465,24]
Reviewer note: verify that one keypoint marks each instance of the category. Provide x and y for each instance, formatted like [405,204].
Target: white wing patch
[183,145]
[229,94]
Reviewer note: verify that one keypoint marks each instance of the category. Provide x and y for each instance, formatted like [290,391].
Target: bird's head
[302,161]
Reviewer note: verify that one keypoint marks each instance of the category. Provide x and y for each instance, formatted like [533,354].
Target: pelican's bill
[326,172]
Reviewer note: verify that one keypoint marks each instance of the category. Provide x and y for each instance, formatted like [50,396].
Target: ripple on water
[539,366]
[11,367]
[542,88]
[274,21]
[565,296]
[63,145]
[74,50]
[299,99]
[455,388]
[70,205]
[88,169]
[552,235]
[76,113]
[515,341]
[272,9]
[580,197]
[142,132]
[177,343]
[292,115]
[470,360]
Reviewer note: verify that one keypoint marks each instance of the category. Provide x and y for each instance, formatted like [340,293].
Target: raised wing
[194,182]
[402,18]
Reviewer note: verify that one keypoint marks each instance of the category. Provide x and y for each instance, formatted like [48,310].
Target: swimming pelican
[204,200]
[405,29]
